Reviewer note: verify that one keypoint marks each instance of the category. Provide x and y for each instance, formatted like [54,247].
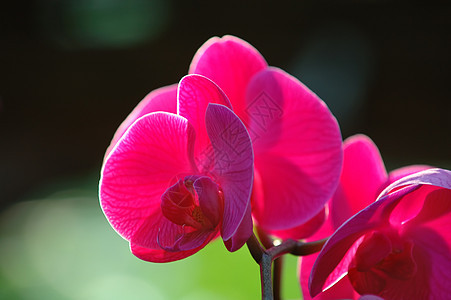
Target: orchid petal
[298,149]
[162,99]
[370,297]
[418,285]
[361,178]
[436,205]
[306,262]
[186,241]
[209,201]
[233,168]
[195,92]
[243,232]
[428,180]
[302,231]
[405,171]
[432,246]
[152,153]
[161,255]
[436,177]
[231,63]
[327,268]
[340,290]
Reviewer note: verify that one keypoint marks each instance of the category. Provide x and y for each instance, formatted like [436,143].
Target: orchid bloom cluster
[238,145]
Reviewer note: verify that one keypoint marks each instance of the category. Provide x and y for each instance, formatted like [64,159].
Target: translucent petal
[298,149]
[151,156]
[231,63]
[233,169]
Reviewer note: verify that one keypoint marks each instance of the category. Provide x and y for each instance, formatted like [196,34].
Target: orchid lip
[181,204]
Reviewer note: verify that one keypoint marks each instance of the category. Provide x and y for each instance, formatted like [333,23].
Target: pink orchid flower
[296,140]
[362,179]
[172,182]
[396,248]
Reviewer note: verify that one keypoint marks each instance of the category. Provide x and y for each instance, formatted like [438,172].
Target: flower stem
[265,258]
[277,277]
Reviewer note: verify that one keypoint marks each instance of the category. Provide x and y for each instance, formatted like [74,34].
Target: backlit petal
[162,99]
[233,168]
[150,157]
[436,177]
[432,247]
[405,171]
[189,240]
[195,92]
[298,149]
[230,62]
[361,179]
[327,268]
[160,255]
[302,231]
[210,202]
[306,262]
[243,232]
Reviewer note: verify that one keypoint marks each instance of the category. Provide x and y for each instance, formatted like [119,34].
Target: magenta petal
[209,201]
[373,249]
[306,262]
[361,178]
[432,247]
[162,99]
[298,149]
[302,231]
[195,92]
[159,255]
[177,205]
[327,268]
[143,164]
[436,205]
[230,62]
[405,171]
[188,240]
[243,232]
[370,297]
[233,168]
[436,177]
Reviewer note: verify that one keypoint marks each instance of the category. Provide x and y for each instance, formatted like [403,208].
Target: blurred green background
[72,70]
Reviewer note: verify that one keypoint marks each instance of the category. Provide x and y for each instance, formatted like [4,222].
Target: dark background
[71,71]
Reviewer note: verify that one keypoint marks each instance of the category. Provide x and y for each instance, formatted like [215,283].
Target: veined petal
[361,180]
[431,250]
[340,290]
[160,255]
[210,202]
[243,232]
[370,297]
[230,62]
[233,169]
[150,157]
[162,99]
[437,177]
[177,205]
[302,231]
[405,171]
[186,241]
[329,267]
[298,149]
[195,92]
[435,206]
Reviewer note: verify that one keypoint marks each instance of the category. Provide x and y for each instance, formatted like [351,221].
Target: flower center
[187,204]
[381,257]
